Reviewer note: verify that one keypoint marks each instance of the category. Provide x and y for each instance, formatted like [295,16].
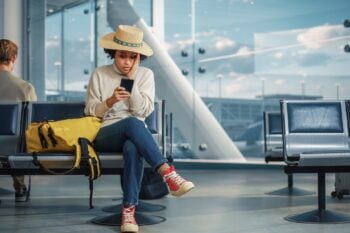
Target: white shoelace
[173,176]
[128,214]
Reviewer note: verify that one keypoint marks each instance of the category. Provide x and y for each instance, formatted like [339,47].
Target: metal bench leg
[321,215]
[290,190]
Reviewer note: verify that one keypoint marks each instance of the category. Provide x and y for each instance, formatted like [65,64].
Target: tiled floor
[224,201]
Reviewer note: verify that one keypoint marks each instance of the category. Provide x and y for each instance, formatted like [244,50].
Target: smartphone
[127,84]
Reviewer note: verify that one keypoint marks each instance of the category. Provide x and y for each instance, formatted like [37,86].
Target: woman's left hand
[134,67]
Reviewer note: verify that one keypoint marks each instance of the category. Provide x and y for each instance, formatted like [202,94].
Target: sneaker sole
[185,188]
[129,228]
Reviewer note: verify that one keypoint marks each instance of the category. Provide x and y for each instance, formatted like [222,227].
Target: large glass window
[69,49]
[240,56]
[78,48]
[249,54]
[53,44]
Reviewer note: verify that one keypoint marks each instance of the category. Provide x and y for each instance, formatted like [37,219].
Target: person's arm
[31,96]
[94,105]
[142,96]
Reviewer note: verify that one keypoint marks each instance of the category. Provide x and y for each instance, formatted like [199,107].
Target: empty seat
[274,152]
[273,136]
[316,140]
[10,129]
[316,133]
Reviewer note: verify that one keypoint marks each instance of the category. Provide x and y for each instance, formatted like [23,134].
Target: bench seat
[316,140]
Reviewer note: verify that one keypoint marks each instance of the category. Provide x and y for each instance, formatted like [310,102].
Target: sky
[283,44]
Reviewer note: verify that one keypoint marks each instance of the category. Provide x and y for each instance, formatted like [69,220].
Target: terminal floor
[224,201]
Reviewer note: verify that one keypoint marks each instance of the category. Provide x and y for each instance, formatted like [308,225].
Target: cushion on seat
[315,118]
[315,132]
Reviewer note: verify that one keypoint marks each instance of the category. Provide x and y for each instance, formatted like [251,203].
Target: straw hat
[127,38]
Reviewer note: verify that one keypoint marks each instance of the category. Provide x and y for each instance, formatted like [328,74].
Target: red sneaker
[128,220]
[177,185]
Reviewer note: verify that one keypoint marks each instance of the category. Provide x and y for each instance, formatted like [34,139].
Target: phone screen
[127,84]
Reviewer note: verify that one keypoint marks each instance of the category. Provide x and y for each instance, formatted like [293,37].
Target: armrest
[338,158]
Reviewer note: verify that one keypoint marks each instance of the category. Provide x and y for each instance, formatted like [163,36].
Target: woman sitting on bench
[123,106]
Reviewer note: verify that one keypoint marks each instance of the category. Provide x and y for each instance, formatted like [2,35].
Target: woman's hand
[134,67]
[119,94]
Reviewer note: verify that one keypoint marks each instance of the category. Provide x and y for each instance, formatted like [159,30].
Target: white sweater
[103,82]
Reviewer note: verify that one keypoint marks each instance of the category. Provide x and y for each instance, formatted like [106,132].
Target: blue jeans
[131,137]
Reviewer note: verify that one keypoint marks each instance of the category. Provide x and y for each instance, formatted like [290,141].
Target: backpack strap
[42,138]
[88,152]
[49,170]
[93,162]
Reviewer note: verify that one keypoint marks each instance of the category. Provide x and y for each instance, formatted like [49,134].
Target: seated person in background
[13,89]
[123,113]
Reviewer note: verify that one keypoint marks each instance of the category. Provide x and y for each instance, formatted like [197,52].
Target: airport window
[69,51]
[262,51]
[241,57]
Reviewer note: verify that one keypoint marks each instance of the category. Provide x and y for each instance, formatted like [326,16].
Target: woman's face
[124,60]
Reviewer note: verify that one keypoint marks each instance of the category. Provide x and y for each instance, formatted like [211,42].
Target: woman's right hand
[119,94]
[134,67]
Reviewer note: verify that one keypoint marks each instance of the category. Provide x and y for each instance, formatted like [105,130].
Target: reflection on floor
[224,201]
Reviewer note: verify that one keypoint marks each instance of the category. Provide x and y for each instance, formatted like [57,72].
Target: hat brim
[108,43]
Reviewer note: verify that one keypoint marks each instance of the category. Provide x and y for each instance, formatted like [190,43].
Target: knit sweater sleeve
[142,96]
[94,103]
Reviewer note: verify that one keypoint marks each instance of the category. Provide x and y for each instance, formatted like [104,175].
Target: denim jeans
[131,137]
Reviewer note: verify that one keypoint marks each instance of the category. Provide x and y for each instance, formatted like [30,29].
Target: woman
[123,113]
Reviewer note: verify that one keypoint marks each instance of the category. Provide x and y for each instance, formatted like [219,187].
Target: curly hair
[111,54]
[8,50]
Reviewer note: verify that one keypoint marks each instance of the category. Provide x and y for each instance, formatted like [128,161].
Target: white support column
[158,19]
[13,29]
[2,11]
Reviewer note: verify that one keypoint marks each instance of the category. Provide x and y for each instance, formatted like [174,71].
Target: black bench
[15,161]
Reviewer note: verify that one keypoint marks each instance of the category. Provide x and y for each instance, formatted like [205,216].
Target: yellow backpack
[70,135]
